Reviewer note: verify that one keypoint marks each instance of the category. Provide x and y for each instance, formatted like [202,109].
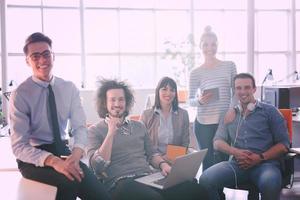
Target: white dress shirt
[29,117]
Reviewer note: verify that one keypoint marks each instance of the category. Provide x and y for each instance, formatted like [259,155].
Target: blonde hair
[208,33]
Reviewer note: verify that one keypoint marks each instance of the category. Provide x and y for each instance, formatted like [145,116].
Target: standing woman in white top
[210,90]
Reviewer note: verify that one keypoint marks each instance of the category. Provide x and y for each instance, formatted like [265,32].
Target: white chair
[33,190]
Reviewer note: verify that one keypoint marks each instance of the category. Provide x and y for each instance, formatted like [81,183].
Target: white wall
[89,105]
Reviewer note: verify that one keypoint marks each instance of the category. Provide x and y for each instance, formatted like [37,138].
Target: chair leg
[253,195]
[222,194]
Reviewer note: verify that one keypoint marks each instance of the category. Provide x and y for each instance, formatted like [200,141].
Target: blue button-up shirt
[258,131]
[30,122]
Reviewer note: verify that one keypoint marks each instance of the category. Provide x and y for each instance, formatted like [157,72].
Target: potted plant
[184,56]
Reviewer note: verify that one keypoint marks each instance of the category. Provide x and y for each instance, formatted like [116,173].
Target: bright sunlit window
[128,39]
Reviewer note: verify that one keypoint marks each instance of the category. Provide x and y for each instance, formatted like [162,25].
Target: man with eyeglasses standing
[39,111]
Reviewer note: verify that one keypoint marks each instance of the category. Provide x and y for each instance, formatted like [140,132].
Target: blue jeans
[266,176]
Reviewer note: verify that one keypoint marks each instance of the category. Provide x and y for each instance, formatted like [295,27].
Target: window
[276,62]
[138,70]
[101,31]
[128,39]
[220,4]
[273,38]
[65,34]
[18,71]
[136,31]
[271,43]
[298,39]
[16,16]
[272,4]
[298,31]
[101,67]
[69,68]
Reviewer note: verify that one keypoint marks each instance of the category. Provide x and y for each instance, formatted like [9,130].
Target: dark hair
[36,37]
[244,76]
[105,85]
[166,81]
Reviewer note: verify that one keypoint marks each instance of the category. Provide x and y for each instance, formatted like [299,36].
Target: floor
[10,178]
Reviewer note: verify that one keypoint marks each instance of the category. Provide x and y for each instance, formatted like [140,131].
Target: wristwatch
[262,157]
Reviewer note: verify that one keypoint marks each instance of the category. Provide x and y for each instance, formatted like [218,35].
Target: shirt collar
[258,104]
[158,111]
[43,83]
[126,120]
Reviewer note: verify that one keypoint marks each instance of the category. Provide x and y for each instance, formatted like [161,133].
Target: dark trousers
[205,134]
[128,189]
[89,188]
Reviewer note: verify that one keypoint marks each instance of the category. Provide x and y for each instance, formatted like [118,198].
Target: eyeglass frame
[36,56]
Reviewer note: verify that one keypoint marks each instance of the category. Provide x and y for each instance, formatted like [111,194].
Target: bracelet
[262,157]
[160,163]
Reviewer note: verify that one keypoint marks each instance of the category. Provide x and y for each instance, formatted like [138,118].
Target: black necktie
[58,143]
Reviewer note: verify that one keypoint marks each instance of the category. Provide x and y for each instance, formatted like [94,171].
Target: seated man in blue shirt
[258,138]
[39,111]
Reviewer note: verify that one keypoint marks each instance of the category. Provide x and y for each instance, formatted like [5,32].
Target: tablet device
[214,92]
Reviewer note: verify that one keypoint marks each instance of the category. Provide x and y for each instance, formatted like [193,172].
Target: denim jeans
[266,176]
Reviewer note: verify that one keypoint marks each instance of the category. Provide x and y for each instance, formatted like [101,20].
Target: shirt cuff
[43,158]
[98,164]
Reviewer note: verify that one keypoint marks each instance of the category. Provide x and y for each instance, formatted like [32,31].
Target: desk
[297,117]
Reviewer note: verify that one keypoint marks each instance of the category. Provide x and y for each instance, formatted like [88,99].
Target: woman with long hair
[165,121]
[210,90]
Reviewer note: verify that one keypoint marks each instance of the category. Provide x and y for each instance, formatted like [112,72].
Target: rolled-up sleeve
[222,131]
[278,127]
[96,162]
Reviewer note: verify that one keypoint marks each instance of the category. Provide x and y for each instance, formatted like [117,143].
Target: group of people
[119,150]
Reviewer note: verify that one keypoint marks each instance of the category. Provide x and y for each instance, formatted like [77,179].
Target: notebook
[185,168]
[173,151]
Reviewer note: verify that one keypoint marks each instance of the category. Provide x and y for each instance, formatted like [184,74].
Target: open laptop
[185,168]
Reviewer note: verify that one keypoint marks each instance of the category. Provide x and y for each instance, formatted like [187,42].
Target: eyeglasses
[36,56]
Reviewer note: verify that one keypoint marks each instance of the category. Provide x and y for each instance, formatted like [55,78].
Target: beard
[117,114]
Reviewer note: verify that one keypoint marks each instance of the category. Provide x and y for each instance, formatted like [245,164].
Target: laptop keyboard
[160,181]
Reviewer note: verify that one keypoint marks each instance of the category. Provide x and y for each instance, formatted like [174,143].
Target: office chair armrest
[287,167]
